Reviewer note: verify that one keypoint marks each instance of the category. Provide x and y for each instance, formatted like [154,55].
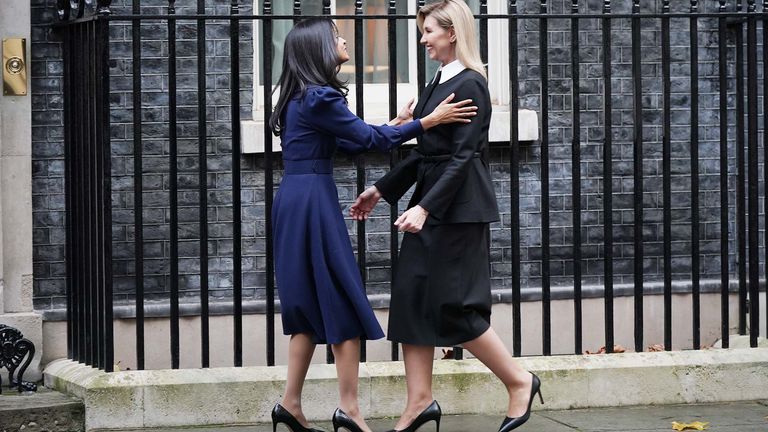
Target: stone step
[45,410]
[245,395]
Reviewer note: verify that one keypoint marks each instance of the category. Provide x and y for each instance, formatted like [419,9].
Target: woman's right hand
[365,203]
[406,114]
[447,112]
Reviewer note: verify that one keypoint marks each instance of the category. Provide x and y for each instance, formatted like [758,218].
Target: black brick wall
[48,166]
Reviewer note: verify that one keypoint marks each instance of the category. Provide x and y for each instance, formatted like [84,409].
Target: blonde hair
[457,15]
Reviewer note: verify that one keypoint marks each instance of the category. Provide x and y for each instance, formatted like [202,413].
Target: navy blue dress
[319,285]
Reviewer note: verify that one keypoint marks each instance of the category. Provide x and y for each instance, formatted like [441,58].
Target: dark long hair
[310,56]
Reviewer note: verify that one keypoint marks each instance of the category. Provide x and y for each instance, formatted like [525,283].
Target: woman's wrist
[399,121]
[428,121]
[375,192]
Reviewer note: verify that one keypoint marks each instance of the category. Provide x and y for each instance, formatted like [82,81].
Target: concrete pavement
[44,410]
[722,417]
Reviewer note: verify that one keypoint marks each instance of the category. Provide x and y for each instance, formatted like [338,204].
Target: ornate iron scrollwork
[16,354]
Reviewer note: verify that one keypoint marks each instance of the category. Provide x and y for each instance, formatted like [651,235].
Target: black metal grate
[88,194]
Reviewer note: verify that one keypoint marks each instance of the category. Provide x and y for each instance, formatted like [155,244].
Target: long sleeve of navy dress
[319,285]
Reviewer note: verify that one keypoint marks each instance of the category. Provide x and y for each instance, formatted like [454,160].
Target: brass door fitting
[15,67]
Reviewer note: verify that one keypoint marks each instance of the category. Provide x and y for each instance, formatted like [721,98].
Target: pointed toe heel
[282,415]
[341,420]
[430,413]
[511,423]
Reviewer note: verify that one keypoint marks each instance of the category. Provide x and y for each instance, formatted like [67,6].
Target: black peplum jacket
[453,182]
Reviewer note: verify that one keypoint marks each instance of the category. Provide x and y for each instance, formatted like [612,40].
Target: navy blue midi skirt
[319,285]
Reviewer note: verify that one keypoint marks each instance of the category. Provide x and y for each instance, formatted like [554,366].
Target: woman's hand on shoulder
[447,112]
[412,220]
[365,203]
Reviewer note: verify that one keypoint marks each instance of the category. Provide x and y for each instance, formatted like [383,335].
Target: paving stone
[726,417]
[44,410]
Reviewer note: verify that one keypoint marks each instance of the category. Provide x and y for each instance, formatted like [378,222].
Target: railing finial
[171,7]
[297,7]
[694,6]
[358,7]
[635,6]
[606,6]
[62,9]
[102,7]
[267,7]
[235,7]
[574,6]
[326,7]
[751,6]
[665,6]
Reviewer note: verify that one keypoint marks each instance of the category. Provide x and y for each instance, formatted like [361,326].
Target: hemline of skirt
[442,342]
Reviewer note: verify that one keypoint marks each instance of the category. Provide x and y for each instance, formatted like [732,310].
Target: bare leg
[347,356]
[300,350]
[418,378]
[489,349]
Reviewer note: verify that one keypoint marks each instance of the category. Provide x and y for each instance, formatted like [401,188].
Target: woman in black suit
[441,293]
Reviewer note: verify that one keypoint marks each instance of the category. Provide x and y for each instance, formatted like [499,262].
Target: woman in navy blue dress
[322,299]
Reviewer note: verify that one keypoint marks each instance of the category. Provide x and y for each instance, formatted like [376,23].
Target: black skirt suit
[441,293]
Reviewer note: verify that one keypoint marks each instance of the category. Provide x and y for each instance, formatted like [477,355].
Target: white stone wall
[16,198]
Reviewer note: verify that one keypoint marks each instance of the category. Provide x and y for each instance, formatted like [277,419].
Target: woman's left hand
[412,220]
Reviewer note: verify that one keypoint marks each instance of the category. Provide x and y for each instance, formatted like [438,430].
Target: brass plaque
[15,67]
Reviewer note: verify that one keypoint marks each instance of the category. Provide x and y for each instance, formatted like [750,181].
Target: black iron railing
[86,32]
[89,191]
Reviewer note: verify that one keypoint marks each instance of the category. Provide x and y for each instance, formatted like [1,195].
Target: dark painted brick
[48,166]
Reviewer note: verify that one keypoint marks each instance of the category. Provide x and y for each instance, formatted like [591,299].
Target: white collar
[450,70]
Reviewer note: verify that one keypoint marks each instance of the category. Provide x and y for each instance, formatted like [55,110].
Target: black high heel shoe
[511,423]
[430,413]
[341,420]
[282,415]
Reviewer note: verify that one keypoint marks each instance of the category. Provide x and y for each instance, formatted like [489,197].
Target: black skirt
[441,295]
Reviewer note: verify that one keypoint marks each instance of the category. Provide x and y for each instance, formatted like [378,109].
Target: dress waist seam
[308,166]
